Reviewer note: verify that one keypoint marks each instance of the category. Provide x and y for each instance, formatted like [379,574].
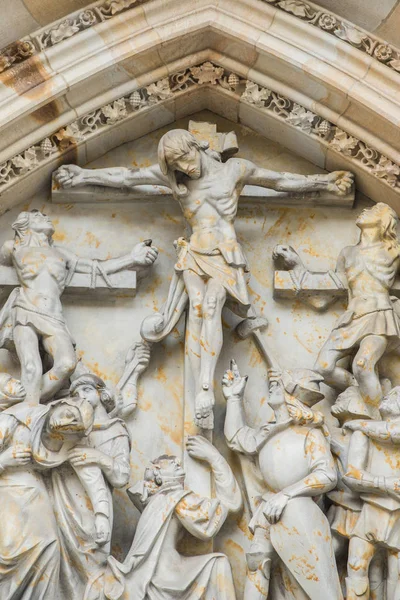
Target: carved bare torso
[42,273]
[210,206]
[370,271]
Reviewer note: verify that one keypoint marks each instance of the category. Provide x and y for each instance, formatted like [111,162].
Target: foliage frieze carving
[77,22]
[208,74]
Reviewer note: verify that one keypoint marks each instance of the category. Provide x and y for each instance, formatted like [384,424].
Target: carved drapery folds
[324,518]
[162,471]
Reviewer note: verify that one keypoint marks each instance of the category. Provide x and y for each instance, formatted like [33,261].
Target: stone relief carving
[61,30]
[346,31]
[153,568]
[211,268]
[296,463]
[329,489]
[331,23]
[29,546]
[277,105]
[33,312]
[370,326]
[373,473]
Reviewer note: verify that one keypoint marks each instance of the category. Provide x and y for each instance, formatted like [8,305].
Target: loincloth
[23,312]
[227,265]
[352,329]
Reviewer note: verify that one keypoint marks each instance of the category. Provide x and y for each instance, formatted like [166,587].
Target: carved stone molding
[102,64]
[329,22]
[206,74]
[95,13]
[62,30]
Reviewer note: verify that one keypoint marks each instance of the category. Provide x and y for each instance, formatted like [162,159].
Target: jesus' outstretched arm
[338,182]
[69,176]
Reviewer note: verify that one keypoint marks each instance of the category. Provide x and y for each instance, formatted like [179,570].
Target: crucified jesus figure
[211,264]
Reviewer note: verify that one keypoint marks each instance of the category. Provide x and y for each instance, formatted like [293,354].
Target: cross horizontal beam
[314,283]
[158,194]
[123,283]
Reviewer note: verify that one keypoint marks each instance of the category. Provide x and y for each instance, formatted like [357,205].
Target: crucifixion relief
[211,269]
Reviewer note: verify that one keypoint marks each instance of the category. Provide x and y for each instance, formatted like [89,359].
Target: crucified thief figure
[33,315]
[212,263]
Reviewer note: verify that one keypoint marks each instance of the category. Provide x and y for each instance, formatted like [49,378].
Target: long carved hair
[23,233]
[174,144]
[389,224]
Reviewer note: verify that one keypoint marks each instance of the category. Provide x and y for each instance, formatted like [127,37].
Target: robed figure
[153,568]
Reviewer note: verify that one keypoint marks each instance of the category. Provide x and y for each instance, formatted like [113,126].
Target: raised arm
[69,176]
[338,182]
[239,436]
[227,489]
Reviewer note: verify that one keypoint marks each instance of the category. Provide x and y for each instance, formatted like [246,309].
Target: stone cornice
[385,53]
[61,30]
[102,10]
[255,40]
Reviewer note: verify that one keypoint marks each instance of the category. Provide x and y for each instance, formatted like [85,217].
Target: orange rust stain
[59,236]
[161,375]
[91,239]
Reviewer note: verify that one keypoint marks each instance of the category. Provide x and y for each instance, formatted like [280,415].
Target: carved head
[70,418]
[179,150]
[384,218]
[303,384]
[31,222]
[164,470]
[389,406]
[93,389]
[179,155]
[286,257]
[11,391]
[299,390]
